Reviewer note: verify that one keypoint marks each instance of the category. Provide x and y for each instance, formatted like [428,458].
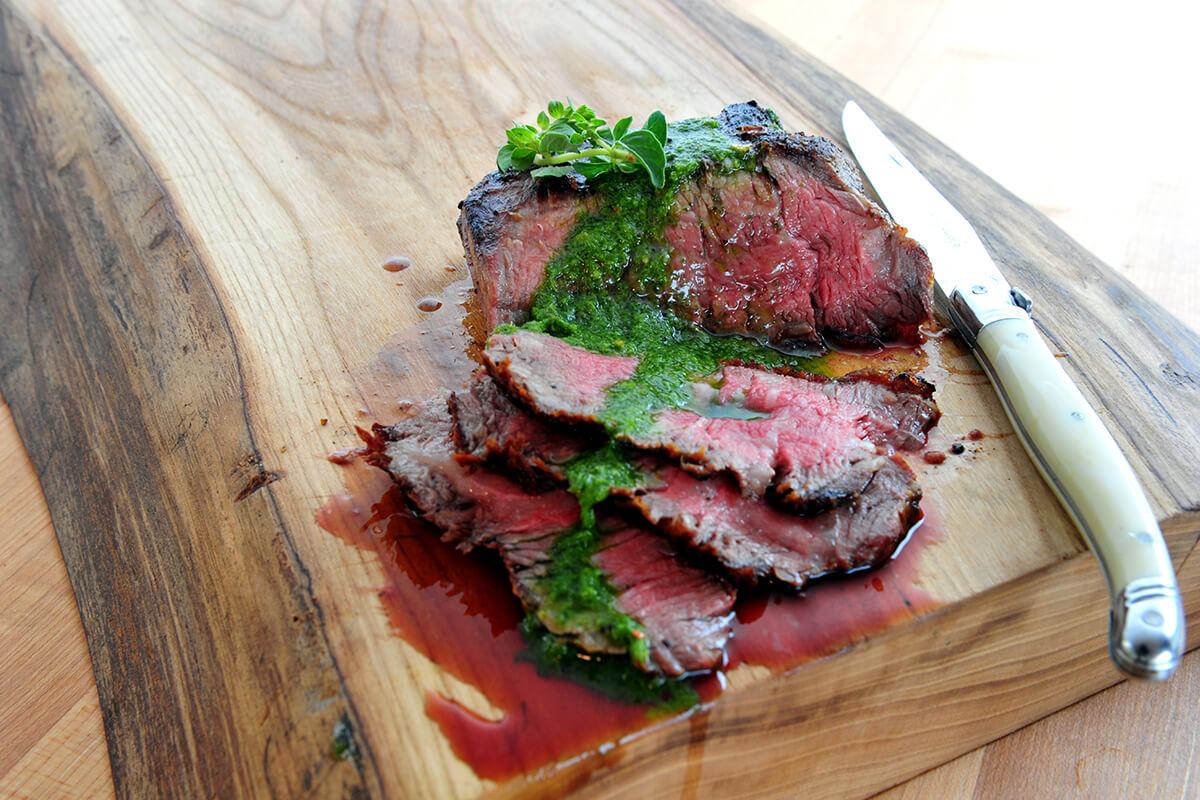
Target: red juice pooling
[397,263]
[782,630]
[459,610]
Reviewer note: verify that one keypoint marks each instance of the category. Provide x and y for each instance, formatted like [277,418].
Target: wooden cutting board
[197,204]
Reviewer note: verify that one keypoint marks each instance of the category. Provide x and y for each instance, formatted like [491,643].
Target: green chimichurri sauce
[610,675]
[600,293]
[575,592]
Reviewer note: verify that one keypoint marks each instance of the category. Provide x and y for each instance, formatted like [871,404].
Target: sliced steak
[806,442]
[491,428]
[474,508]
[815,444]
[685,612]
[787,251]
[511,226]
[555,378]
[749,538]
[754,541]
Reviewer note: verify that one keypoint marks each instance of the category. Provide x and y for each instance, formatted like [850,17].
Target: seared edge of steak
[490,428]
[511,226]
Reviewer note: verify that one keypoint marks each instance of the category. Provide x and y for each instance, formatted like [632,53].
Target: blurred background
[1084,109]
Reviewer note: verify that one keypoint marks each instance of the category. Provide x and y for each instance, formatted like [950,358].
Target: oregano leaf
[649,150]
[621,127]
[504,158]
[656,123]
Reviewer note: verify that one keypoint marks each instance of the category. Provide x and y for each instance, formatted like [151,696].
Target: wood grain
[124,379]
[288,146]
[1129,741]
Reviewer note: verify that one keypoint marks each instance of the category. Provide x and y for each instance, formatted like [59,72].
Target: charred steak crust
[511,226]
[752,124]
[847,270]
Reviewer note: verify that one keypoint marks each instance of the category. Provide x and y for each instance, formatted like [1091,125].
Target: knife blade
[1063,435]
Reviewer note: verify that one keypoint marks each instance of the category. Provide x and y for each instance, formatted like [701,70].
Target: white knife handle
[1079,459]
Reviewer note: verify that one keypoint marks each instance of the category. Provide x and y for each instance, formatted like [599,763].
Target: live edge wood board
[196,202]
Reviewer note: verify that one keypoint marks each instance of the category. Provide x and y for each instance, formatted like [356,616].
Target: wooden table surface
[1073,107]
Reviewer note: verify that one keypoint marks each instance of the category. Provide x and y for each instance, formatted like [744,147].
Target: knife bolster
[974,307]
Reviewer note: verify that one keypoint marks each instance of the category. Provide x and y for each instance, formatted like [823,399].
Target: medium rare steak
[754,541]
[813,444]
[807,443]
[490,428]
[554,377]
[786,249]
[685,612]
[750,539]
[511,226]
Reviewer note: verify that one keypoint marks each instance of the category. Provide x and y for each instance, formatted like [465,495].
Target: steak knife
[1064,437]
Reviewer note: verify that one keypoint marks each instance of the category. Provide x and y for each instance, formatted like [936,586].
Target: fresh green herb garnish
[601,290]
[567,139]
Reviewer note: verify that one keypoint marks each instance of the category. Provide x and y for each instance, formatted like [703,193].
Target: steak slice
[749,538]
[685,613]
[786,251]
[491,428]
[806,442]
[474,508]
[814,444]
[754,541]
[555,378]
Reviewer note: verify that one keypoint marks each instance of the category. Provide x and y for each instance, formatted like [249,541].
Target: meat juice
[459,611]
[782,630]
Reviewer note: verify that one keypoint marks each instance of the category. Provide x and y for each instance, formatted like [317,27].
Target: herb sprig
[567,139]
